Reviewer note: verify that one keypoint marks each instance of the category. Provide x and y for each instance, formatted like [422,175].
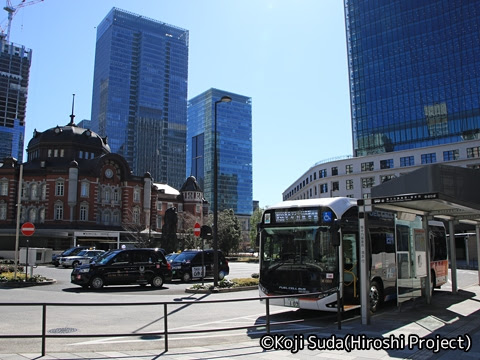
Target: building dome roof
[70,134]
[191,184]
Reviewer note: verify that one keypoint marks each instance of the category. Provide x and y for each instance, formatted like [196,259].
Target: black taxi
[124,267]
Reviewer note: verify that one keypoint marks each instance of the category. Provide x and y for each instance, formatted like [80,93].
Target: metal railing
[165,333]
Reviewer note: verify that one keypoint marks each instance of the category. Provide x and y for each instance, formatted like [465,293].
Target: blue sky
[289,56]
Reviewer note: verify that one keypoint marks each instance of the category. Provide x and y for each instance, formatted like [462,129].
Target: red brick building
[75,191]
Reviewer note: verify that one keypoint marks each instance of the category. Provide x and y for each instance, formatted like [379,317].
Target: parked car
[83,257]
[171,256]
[188,265]
[69,252]
[124,267]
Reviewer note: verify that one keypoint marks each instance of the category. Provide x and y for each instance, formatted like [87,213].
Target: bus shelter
[434,192]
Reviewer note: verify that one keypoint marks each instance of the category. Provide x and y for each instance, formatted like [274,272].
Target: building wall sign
[404,198]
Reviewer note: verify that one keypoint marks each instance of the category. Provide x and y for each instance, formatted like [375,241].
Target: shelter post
[428,283]
[453,256]
[364,206]
[477,230]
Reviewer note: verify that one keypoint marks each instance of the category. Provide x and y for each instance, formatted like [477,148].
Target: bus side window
[349,250]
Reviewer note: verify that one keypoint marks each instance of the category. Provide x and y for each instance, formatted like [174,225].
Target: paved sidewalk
[448,328]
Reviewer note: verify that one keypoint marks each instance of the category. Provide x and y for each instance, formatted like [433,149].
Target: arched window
[84,212]
[116,218]
[3,211]
[58,211]
[4,187]
[116,195]
[84,189]
[106,217]
[44,191]
[136,215]
[32,215]
[41,215]
[34,191]
[59,188]
[106,194]
[136,194]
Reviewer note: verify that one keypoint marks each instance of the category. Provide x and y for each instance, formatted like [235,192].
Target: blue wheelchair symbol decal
[327,216]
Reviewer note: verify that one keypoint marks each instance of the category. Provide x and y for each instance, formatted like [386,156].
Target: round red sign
[196,229]
[28,229]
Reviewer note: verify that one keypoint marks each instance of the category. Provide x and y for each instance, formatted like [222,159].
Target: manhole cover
[62,330]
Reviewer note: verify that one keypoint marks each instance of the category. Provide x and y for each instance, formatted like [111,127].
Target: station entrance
[101,240]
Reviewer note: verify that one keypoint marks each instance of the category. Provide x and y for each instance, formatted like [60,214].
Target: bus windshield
[296,259]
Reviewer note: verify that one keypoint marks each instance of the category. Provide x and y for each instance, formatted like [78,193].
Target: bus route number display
[296,216]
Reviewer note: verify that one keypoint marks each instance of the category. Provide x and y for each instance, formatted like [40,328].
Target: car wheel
[186,277]
[157,281]
[96,283]
[74,264]
[375,296]
[221,275]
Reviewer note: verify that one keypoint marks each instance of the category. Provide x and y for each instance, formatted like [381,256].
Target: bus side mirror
[257,237]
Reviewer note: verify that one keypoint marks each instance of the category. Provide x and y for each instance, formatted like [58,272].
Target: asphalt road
[184,313]
[62,277]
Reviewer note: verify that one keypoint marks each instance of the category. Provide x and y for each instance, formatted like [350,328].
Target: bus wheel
[375,296]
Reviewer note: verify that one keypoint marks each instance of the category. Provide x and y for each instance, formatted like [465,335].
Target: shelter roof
[437,190]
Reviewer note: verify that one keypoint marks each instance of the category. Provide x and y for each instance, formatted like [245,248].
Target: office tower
[15,63]
[85,123]
[140,93]
[414,73]
[234,144]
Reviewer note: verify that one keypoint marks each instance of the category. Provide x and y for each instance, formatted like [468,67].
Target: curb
[220,290]
[22,284]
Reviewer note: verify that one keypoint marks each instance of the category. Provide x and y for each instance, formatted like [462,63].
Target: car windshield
[104,258]
[185,257]
[82,253]
[69,251]
[170,257]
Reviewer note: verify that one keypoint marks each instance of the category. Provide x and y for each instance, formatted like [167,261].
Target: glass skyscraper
[15,61]
[234,144]
[414,69]
[140,93]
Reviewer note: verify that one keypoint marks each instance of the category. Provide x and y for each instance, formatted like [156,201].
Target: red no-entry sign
[28,229]
[196,229]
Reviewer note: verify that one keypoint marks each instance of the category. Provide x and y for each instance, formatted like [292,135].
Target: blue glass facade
[234,144]
[414,73]
[15,61]
[140,93]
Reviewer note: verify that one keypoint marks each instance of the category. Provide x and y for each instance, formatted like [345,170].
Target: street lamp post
[224,99]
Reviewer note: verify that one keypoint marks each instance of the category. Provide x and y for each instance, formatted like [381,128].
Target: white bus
[304,243]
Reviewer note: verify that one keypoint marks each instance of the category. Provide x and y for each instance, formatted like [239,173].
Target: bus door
[350,270]
[410,263]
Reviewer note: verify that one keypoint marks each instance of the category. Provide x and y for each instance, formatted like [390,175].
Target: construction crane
[11,10]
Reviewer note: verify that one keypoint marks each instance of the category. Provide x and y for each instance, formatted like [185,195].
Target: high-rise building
[234,144]
[415,94]
[140,93]
[414,73]
[15,63]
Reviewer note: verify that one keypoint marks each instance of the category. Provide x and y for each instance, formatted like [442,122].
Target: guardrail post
[44,327]
[165,326]
[267,314]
